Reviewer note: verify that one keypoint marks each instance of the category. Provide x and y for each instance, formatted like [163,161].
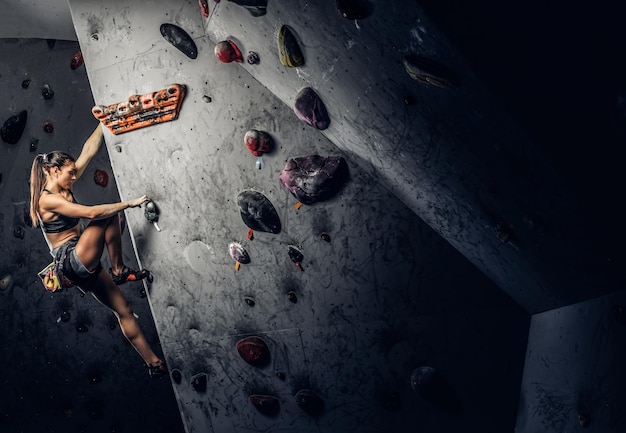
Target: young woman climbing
[54,208]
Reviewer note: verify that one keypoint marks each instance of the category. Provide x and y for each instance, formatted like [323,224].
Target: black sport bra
[62,223]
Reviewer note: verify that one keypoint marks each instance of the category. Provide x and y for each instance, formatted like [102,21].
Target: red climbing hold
[77,60]
[227,51]
[101,178]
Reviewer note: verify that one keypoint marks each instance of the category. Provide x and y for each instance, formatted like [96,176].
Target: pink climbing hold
[227,51]
[204,8]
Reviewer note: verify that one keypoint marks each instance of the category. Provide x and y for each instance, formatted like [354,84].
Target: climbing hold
[280,375]
[206,98]
[48,127]
[47,92]
[258,213]
[314,178]
[309,108]
[254,351]
[179,39]
[256,8]
[18,232]
[77,60]
[289,51]
[227,51]
[5,282]
[423,377]
[151,212]
[428,71]
[142,110]
[142,292]
[239,254]
[249,301]
[177,376]
[65,316]
[34,143]
[296,256]
[583,420]
[25,84]
[204,8]
[266,404]
[96,378]
[101,178]
[13,127]
[325,237]
[354,9]
[199,382]
[309,402]
[82,328]
[258,142]
[291,295]
[253,58]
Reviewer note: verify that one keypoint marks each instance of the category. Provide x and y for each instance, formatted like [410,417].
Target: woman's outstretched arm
[90,148]
[57,204]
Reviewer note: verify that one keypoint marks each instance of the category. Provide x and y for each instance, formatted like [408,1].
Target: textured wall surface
[374,303]
[55,377]
[574,366]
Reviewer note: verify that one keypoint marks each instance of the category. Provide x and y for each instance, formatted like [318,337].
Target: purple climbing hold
[13,127]
[314,178]
[309,402]
[354,9]
[254,351]
[179,39]
[266,404]
[309,108]
[258,212]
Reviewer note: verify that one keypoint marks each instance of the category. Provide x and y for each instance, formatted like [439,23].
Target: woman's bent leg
[91,243]
[109,294]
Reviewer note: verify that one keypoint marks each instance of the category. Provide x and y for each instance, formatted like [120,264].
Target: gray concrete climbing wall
[65,364]
[373,304]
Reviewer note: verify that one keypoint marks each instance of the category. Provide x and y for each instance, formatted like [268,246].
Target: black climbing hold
[292,296]
[18,232]
[253,58]
[206,99]
[199,382]
[257,8]
[25,84]
[314,178]
[325,237]
[258,212]
[96,378]
[47,92]
[354,9]
[296,256]
[289,51]
[179,39]
[151,212]
[65,316]
[280,375]
[13,127]
[82,328]
[177,376]
[48,127]
[310,402]
[142,292]
[249,301]
[310,109]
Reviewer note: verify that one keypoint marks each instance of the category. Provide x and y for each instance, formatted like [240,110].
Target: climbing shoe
[158,370]
[129,275]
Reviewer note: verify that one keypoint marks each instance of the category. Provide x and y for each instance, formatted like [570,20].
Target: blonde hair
[42,164]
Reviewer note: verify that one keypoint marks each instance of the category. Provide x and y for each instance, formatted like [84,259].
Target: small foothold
[409,100]
[118,148]
[309,402]
[48,127]
[292,297]
[18,232]
[77,60]
[82,328]
[266,404]
[177,376]
[206,99]
[583,420]
[25,84]
[5,282]
[325,237]
[65,316]
[253,58]
[112,326]
[296,256]
[34,143]
[95,36]
[47,92]
[249,301]
[142,292]
[199,382]
[280,375]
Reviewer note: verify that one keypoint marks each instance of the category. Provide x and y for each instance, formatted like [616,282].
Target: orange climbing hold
[142,110]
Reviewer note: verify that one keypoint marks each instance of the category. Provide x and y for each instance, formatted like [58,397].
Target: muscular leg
[113,241]
[91,243]
[109,294]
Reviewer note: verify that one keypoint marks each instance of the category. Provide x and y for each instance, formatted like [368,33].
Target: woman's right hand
[138,201]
